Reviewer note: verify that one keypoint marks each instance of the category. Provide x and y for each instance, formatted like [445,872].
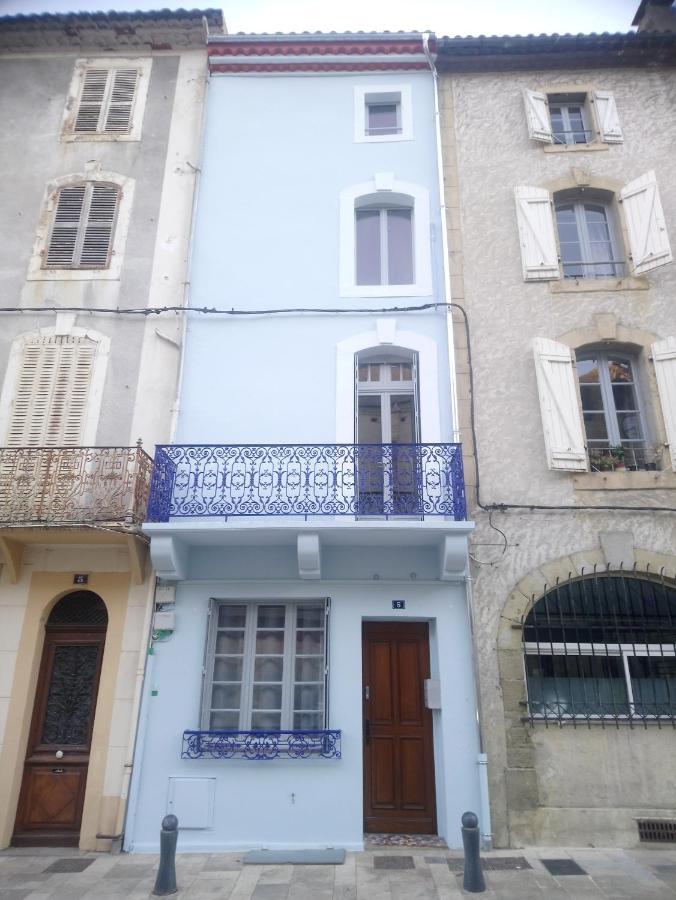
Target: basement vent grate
[657,830]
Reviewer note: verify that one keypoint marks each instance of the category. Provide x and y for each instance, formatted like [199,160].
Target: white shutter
[664,357]
[559,406]
[648,238]
[92,98]
[52,392]
[608,120]
[536,234]
[537,116]
[107,101]
[120,106]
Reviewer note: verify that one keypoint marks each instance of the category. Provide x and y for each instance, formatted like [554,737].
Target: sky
[448,17]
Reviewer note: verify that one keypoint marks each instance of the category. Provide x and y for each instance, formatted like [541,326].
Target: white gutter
[444,241]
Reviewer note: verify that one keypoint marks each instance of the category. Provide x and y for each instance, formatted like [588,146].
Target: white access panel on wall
[191,800]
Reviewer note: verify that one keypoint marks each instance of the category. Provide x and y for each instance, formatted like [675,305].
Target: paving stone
[270,892]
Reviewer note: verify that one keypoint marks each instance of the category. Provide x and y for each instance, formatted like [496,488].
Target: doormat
[403,840]
[68,864]
[562,867]
[329,857]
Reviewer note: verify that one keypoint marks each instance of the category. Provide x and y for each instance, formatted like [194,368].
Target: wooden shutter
[539,255]
[50,403]
[664,357]
[107,101]
[537,116]
[648,238]
[610,130]
[559,406]
[83,226]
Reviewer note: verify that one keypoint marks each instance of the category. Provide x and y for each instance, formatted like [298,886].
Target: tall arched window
[602,647]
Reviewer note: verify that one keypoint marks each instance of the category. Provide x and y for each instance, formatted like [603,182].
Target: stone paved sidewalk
[382,874]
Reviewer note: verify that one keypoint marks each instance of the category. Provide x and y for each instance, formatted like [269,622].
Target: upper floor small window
[82,228]
[383,114]
[106,100]
[573,118]
[384,245]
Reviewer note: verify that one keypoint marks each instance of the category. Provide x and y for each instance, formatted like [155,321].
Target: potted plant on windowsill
[616,458]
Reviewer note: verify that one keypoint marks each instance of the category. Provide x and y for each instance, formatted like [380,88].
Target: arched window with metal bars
[603,647]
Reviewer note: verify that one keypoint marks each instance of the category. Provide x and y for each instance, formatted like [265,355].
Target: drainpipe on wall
[482,759]
[450,346]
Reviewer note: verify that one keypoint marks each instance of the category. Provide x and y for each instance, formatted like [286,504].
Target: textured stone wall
[553,785]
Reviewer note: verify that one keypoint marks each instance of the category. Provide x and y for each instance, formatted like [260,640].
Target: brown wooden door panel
[57,757]
[398,750]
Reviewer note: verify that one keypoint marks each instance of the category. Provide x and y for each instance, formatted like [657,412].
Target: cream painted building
[561,207]
[102,116]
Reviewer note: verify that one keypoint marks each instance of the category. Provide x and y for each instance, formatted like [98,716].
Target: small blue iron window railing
[259,745]
[307,480]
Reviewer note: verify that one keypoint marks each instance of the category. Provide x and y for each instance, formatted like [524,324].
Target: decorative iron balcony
[70,485]
[260,745]
[387,480]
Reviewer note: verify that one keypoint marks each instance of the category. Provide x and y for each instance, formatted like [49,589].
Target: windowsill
[625,481]
[110,274]
[101,137]
[587,285]
[382,138]
[576,148]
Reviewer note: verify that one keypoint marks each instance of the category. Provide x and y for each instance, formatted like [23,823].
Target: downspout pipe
[482,759]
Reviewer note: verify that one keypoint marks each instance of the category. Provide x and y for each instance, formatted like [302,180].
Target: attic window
[106,100]
[81,235]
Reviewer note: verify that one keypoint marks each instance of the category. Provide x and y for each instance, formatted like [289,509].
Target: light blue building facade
[312,675]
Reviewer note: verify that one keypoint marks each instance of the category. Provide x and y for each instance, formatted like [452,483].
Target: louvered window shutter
[107,101]
[536,234]
[648,238]
[52,393]
[559,406]
[83,226]
[537,116]
[610,130]
[664,357]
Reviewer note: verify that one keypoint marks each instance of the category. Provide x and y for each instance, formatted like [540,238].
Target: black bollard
[165,883]
[473,881]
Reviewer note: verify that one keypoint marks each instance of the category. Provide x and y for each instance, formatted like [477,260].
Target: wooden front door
[57,758]
[398,752]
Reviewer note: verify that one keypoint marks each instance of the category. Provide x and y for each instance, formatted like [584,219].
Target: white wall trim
[95,388]
[422,261]
[406,112]
[428,379]
[92,172]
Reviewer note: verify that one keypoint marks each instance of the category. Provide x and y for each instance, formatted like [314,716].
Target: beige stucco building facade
[100,163]
[548,143]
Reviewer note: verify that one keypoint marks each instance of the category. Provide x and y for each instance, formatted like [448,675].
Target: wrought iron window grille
[307,480]
[262,745]
[601,649]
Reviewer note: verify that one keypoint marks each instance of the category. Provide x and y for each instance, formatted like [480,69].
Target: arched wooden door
[57,757]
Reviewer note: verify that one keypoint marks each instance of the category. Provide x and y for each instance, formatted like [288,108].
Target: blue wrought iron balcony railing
[384,480]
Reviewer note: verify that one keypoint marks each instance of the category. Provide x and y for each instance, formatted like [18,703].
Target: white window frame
[142,64]
[92,173]
[383,217]
[249,654]
[564,106]
[578,200]
[401,94]
[384,190]
[96,384]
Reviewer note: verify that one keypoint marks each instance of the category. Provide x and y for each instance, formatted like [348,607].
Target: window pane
[232,616]
[228,668]
[595,426]
[230,642]
[268,668]
[382,118]
[226,696]
[620,370]
[224,721]
[267,696]
[588,371]
[308,696]
[653,684]
[310,617]
[629,425]
[402,419]
[368,246]
[577,125]
[569,241]
[266,721]
[576,685]
[592,399]
[624,396]
[307,721]
[271,616]
[310,642]
[270,642]
[309,668]
[558,127]
[399,247]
